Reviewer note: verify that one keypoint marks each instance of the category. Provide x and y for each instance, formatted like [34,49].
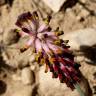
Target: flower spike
[50,50]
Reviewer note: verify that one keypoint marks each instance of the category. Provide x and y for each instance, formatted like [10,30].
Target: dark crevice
[3,87]
[3,2]
[34,93]
[92,12]
[90,53]
[10,2]
[69,4]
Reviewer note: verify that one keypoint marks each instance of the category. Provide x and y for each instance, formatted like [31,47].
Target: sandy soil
[73,15]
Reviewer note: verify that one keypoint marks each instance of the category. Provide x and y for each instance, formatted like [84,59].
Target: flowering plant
[49,48]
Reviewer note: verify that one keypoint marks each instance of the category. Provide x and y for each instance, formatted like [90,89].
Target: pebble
[16,77]
[10,37]
[81,37]
[32,67]
[83,1]
[27,76]
[79,58]
[26,91]
[84,13]
[55,5]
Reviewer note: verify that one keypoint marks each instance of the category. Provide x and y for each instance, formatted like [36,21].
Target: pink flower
[50,50]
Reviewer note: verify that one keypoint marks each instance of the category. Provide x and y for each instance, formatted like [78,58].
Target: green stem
[79,89]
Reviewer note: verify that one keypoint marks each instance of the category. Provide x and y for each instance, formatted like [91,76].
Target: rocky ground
[19,75]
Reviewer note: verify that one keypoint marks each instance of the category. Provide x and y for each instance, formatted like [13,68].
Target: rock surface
[10,37]
[27,76]
[55,5]
[16,59]
[74,17]
[15,88]
[82,37]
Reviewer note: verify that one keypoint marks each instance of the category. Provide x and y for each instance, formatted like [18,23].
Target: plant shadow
[90,53]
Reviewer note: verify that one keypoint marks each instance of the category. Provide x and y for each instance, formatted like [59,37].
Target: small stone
[70,13]
[68,10]
[79,58]
[79,38]
[10,37]
[32,67]
[83,1]
[88,60]
[1,30]
[27,76]
[80,6]
[17,88]
[55,5]
[84,13]
[14,58]
[9,55]
[78,18]
[16,77]
[25,91]
[24,58]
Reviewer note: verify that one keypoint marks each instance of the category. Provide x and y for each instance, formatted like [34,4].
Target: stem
[77,86]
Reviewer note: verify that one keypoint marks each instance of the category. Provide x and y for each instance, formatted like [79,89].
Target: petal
[61,61]
[46,48]
[68,61]
[51,35]
[32,26]
[23,34]
[38,45]
[42,27]
[55,67]
[21,19]
[26,30]
[54,48]
[28,20]
[35,20]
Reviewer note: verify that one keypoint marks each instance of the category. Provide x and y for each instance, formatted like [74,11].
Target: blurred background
[19,75]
